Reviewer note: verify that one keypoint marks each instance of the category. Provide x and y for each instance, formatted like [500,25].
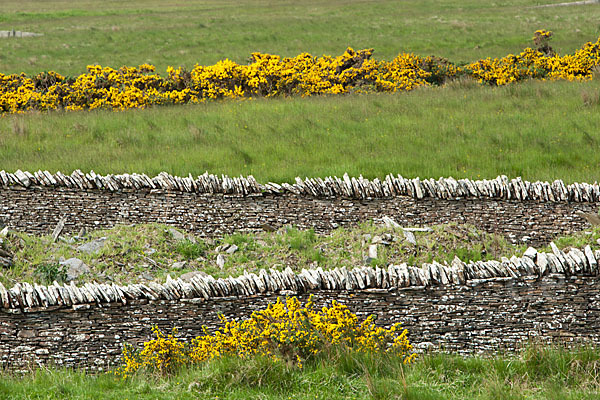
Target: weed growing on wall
[50,272]
[286,331]
[190,250]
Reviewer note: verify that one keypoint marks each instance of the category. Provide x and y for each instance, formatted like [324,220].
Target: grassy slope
[538,130]
[204,31]
[138,253]
[536,373]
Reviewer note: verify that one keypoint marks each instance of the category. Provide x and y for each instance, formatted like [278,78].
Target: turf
[537,372]
[537,130]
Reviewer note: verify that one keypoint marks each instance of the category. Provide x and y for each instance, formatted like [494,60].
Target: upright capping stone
[542,263]
[593,263]
[359,188]
[581,263]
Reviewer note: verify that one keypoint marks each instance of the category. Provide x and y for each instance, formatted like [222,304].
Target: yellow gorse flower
[270,75]
[285,330]
[542,63]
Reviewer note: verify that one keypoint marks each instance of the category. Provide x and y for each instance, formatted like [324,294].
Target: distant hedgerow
[269,75]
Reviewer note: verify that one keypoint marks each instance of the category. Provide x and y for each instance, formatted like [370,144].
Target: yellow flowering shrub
[269,75]
[286,331]
[164,354]
[541,63]
[266,75]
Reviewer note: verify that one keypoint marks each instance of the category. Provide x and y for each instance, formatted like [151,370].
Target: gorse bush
[284,331]
[164,354]
[541,63]
[269,75]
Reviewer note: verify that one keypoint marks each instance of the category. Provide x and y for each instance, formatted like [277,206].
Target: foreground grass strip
[537,372]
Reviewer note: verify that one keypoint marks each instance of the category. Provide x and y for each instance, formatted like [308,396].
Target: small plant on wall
[50,272]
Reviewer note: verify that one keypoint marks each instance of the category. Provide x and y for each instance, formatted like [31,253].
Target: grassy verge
[538,130]
[149,252]
[535,373]
[170,32]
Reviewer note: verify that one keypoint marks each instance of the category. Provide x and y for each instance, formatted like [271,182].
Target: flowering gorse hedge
[284,331]
[541,63]
[270,75]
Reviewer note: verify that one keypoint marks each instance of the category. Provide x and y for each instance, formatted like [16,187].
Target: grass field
[537,130]
[536,373]
[177,33]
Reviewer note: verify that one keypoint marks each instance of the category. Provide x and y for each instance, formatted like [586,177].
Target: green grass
[169,32]
[537,130]
[149,252]
[537,372]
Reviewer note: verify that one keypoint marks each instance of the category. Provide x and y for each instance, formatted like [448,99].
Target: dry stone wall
[359,188]
[464,308]
[532,212]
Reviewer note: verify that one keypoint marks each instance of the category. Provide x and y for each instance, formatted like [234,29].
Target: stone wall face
[38,209]
[482,316]
[460,313]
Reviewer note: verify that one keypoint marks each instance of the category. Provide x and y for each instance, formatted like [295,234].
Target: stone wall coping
[330,187]
[533,265]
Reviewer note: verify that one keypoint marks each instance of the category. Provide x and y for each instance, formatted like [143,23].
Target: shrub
[270,75]
[163,354]
[284,331]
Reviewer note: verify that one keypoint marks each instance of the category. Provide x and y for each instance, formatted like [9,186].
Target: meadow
[175,33]
[537,130]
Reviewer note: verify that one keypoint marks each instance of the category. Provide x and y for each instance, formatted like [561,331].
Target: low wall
[489,315]
[463,308]
[38,210]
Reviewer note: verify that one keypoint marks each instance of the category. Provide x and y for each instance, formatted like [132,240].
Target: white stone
[531,253]
[373,251]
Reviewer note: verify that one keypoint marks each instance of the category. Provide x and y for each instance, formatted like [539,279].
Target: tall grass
[538,372]
[537,130]
[170,32]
